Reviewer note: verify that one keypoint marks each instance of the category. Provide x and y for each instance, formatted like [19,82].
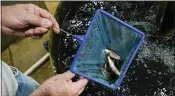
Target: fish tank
[152,71]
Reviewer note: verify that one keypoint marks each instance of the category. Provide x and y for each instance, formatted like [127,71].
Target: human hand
[27,20]
[61,85]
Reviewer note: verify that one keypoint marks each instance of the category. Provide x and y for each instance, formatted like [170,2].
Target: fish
[112,54]
[111,68]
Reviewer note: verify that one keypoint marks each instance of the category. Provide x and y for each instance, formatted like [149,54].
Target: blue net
[105,33]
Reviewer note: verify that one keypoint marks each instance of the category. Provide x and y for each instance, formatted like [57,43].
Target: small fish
[112,54]
[111,68]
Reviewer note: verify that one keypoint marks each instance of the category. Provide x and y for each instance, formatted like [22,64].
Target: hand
[61,85]
[27,20]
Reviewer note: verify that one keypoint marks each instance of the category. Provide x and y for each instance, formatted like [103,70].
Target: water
[153,68]
[152,72]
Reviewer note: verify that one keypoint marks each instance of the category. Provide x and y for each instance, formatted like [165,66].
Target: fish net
[106,32]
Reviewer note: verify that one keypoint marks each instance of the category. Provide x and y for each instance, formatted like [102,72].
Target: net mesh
[105,33]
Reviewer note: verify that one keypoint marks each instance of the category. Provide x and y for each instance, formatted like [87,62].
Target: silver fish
[112,54]
[110,66]
[113,67]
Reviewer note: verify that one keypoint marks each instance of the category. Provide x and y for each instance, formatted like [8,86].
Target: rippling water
[152,72]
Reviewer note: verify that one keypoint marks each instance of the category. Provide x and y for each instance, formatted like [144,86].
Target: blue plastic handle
[79,38]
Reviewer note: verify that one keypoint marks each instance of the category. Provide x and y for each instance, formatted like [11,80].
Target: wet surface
[152,72]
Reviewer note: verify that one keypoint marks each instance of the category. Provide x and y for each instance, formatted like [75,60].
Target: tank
[152,70]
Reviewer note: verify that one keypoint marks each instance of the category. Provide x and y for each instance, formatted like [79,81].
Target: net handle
[79,38]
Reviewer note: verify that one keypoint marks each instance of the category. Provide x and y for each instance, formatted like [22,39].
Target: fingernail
[47,23]
[57,30]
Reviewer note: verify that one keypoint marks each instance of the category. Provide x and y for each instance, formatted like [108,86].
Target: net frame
[81,41]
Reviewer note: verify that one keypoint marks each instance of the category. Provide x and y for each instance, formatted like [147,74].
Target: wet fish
[111,67]
[112,54]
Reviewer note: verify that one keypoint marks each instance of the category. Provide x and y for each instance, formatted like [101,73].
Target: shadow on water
[152,72]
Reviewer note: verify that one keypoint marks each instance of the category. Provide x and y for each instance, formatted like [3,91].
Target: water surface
[152,72]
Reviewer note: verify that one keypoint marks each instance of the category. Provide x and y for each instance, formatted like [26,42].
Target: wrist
[4,19]
[40,92]
[4,10]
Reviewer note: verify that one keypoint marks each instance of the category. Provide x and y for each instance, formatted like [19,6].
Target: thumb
[80,85]
[37,20]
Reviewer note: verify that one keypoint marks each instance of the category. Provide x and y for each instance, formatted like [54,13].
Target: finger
[37,20]
[56,30]
[40,30]
[9,31]
[81,77]
[80,84]
[70,81]
[36,37]
[80,91]
[45,14]
[19,33]
[36,31]
[29,32]
[68,75]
